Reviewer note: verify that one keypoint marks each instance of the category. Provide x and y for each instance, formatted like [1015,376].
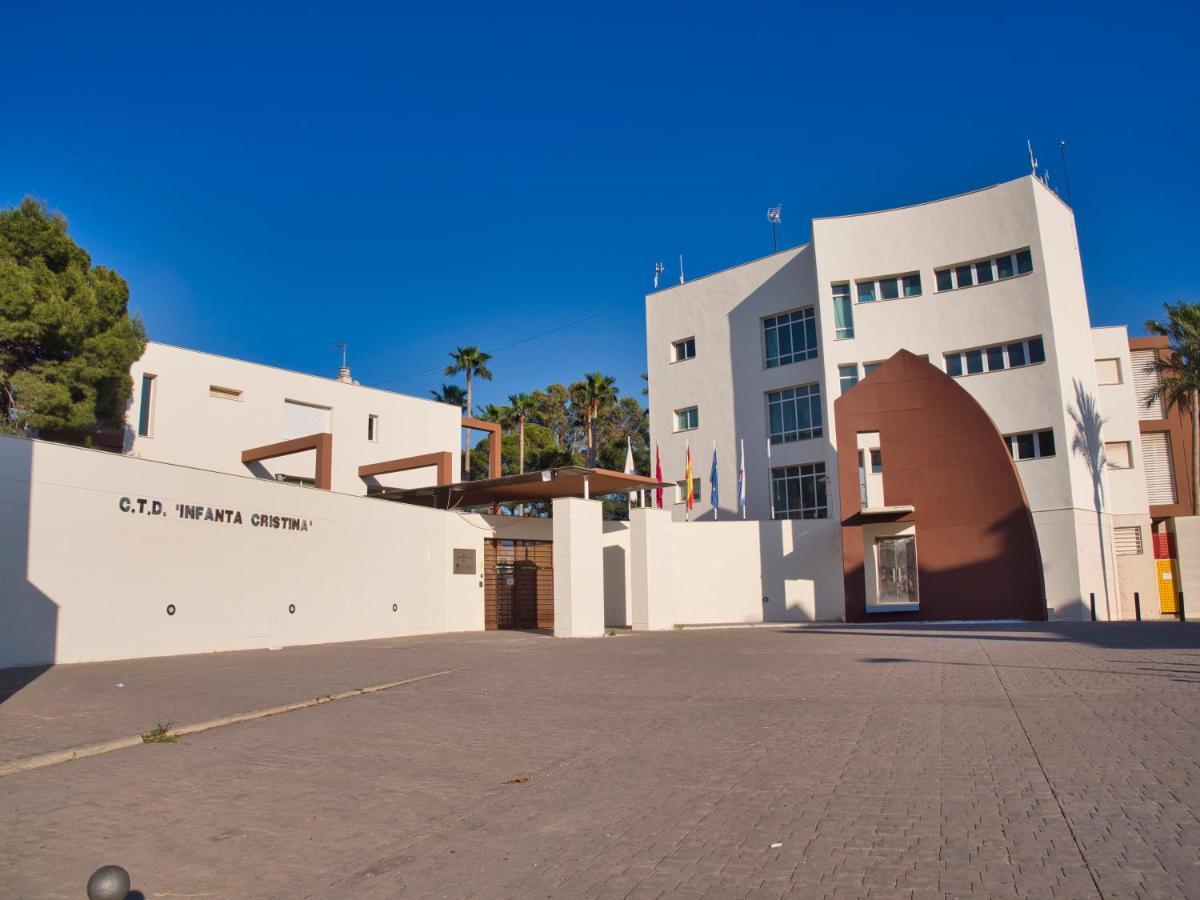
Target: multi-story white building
[988,288]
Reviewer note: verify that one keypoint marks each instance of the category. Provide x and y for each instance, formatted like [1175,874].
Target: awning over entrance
[565,481]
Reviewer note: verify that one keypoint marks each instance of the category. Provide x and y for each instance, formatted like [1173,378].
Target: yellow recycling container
[1168,602]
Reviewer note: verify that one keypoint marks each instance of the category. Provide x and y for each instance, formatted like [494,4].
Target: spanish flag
[687,477]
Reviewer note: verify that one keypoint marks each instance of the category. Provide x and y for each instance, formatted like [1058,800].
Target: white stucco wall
[191,428]
[81,579]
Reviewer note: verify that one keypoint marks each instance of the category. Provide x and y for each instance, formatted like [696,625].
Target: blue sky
[407,178]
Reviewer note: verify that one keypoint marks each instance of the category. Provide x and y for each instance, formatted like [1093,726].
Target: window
[870,367]
[301,480]
[224,393]
[794,414]
[843,315]
[889,288]
[146,407]
[798,492]
[866,292]
[681,490]
[1127,540]
[1156,463]
[790,337]
[1145,380]
[302,419]
[912,285]
[373,428]
[996,357]
[984,271]
[848,376]
[876,462]
[685,349]
[1118,455]
[1108,371]
[1031,444]
[687,419]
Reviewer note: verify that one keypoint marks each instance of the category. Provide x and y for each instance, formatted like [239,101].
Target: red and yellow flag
[687,476]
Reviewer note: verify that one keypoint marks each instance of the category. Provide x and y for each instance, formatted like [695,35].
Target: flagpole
[716,509]
[770,484]
[742,479]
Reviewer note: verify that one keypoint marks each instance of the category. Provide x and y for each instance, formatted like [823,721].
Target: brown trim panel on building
[442,460]
[977,553]
[321,442]
[494,442]
[1178,426]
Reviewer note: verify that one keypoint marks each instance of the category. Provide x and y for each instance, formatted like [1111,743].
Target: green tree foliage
[450,393]
[66,337]
[1179,374]
[590,397]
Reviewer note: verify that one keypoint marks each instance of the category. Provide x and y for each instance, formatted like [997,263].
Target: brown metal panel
[977,554]
[321,442]
[442,461]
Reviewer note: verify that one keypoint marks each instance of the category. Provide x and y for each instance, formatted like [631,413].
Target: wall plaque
[464,561]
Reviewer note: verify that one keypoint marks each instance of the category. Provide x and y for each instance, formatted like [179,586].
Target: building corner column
[578,567]
[652,569]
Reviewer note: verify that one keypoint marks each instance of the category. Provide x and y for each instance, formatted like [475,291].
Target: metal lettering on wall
[464,561]
[197,512]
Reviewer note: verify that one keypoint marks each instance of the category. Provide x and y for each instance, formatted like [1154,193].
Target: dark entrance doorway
[518,584]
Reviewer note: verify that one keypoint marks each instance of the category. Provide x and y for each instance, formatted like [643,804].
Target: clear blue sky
[407,179]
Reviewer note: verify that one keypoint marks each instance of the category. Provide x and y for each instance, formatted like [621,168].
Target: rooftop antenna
[1032,159]
[775,217]
[658,270]
[1062,151]
[343,370]
[681,268]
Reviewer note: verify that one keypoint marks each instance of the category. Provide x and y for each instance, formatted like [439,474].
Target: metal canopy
[565,481]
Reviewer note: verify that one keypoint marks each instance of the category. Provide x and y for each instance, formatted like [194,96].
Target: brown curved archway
[976,550]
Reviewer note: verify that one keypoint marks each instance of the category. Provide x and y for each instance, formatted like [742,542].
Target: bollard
[1093,596]
[108,883]
[1137,605]
[1182,610]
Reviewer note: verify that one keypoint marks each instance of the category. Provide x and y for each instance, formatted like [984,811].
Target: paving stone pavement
[1029,760]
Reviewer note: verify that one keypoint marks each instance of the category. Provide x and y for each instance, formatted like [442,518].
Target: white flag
[629,468]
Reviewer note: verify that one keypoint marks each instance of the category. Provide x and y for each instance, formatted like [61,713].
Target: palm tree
[1179,374]
[450,393]
[472,362]
[596,390]
[520,405]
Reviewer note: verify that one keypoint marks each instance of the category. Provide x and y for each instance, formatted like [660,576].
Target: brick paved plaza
[1057,760]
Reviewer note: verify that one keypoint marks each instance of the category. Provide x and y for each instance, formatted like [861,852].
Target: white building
[988,287]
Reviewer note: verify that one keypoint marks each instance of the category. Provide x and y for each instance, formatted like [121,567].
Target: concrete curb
[61,756]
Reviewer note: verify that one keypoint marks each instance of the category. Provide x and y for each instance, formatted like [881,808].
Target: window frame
[1037,440]
[373,428]
[808,327]
[1008,351]
[683,342]
[804,473]
[811,397]
[146,403]
[843,332]
[687,409]
[842,388]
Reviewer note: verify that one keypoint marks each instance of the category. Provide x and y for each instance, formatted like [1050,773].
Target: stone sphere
[108,883]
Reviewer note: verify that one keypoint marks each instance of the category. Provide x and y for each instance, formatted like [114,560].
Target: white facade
[204,410]
[1030,307]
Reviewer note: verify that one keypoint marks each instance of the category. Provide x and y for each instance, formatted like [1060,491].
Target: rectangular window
[1016,355]
[870,367]
[681,490]
[954,364]
[945,279]
[1156,463]
[889,288]
[687,419]
[843,315]
[983,271]
[1024,262]
[224,393]
[373,428]
[974,361]
[1031,444]
[790,337]
[794,414]
[1004,267]
[146,407]
[866,292]
[1108,371]
[912,285]
[1037,351]
[799,492]
[1117,455]
[848,376]
[685,349]
[995,357]
[1146,380]
[876,462]
[963,276]
[1127,540]
[896,573]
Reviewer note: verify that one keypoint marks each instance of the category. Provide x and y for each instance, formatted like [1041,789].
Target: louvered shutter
[1156,462]
[1144,381]
[1127,540]
[1108,371]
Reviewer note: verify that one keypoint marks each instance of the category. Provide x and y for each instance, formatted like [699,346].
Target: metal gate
[518,584]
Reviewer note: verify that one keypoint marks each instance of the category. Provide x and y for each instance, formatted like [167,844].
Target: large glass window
[790,337]
[799,492]
[687,419]
[843,312]
[794,414]
[848,376]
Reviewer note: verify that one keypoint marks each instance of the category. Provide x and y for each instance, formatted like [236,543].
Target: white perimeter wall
[81,580]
